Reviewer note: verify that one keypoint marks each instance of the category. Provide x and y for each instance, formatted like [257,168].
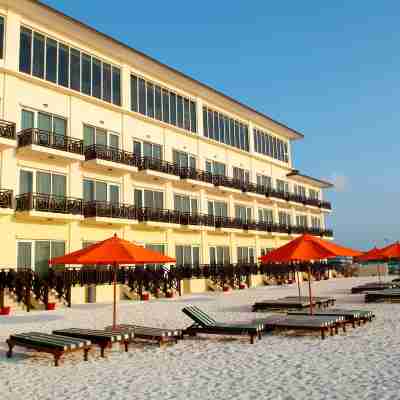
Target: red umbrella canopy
[391,251]
[307,248]
[371,255]
[113,251]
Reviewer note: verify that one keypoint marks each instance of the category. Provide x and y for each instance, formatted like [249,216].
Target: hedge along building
[98,138]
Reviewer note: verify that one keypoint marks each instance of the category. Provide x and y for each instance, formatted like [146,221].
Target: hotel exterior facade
[97,138]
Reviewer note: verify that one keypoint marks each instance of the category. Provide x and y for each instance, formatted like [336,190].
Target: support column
[231,206]
[127,195]
[204,256]
[170,241]
[125,84]
[275,212]
[169,196]
[233,248]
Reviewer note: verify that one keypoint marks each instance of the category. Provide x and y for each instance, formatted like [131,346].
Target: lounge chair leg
[322,333]
[102,349]
[359,322]
[85,354]
[10,348]
[251,339]
[57,357]
[344,327]
[126,344]
[353,323]
[336,329]
[331,329]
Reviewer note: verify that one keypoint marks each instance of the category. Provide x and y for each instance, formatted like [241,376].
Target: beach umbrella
[391,252]
[307,248]
[115,252]
[372,255]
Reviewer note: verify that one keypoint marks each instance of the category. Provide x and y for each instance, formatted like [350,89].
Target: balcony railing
[109,210]
[49,203]
[196,174]
[111,154]
[51,140]
[6,197]
[7,129]
[156,164]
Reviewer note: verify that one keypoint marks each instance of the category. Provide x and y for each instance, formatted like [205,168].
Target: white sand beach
[363,363]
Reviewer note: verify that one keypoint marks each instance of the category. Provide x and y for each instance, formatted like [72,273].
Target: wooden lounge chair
[385,295]
[352,317]
[321,301]
[282,304]
[203,323]
[101,338]
[46,343]
[372,286]
[323,326]
[160,335]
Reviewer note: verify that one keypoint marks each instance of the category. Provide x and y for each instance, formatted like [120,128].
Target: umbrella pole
[115,298]
[309,290]
[298,283]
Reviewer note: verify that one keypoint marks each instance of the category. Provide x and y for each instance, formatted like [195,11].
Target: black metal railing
[49,203]
[196,174]
[50,139]
[111,154]
[109,210]
[6,198]
[156,164]
[7,129]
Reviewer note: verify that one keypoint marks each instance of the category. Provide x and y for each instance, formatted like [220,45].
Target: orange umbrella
[371,255]
[391,251]
[308,248]
[113,251]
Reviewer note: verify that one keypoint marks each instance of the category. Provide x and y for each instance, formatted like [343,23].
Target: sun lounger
[386,295]
[101,338]
[321,325]
[160,335]
[372,286]
[320,301]
[46,343]
[203,323]
[350,316]
[282,304]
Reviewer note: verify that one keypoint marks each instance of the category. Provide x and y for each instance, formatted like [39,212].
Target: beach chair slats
[199,316]
[149,331]
[94,334]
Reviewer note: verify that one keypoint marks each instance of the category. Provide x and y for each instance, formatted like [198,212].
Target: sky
[330,71]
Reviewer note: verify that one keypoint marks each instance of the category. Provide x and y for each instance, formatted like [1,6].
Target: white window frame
[34,172]
[85,178]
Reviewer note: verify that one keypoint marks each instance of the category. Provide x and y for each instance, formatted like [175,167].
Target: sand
[364,363]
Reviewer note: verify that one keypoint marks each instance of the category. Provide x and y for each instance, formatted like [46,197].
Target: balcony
[111,159]
[193,176]
[228,184]
[159,169]
[6,202]
[105,212]
[7,134]
[50,207]
[39,144]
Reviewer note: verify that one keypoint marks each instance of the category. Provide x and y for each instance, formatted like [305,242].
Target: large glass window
[42,182]
[313,194]
[301,220]
[165,101]
[183,159]
[99,136]
[299,190]
[107,82]
[147,149]
[86,74]
[284,218]
[271,146]
[216,168]
[63,65]
[245,255]
[94,190]
[148,198]
[96,78]
[150,99]
[1,37]
[282,186]
[116,86]
[51,60]
[134,93]
[25,51]
[241,174]
[142,96]
[75,68]
[38,55]
[243,213]
[265,215]
[157,103]
[186,204]
[187,255]
[264,181]
[217,208]
[219,255]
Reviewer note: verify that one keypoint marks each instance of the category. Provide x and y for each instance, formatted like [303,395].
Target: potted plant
[169,294]
[157,292]
[145,296]
[226,288]
[242,286]
[50,306]
[5,310]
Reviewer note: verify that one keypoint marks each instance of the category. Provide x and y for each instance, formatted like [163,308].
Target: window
[245,255]
[314,194]
[98,136]
[219,127]
[94,190]
[159,248]
[159,103]
[35,254]
[299,190]
[266,215]
[56,62]
[42,182]
[284,218]
[147,149]
[186,204]
[264,181]
[187,255]
[148,199]
[241,175]
[216,168]
[316,222]
[183,159]
[282,186]
[301,220]
[217,208]
[243,213]
[219,255]
[1,37]
[271,146]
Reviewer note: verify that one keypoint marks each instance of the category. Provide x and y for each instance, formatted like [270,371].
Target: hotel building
[97,138]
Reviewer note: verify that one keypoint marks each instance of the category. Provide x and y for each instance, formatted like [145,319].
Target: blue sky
[330,71]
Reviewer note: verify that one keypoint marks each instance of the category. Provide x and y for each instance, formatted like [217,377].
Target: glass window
[142,96]
[232,130]
[172,104]
[88,135]
[179,105]
[205,122]
[25,51]
[227,131]
[101,191]
[210,124]
[107,82]
[51,60]
[101,137]
[25,181]
[1,37]
[38,55]
[24,255]
[42,256]
[27,119]
[88,190]
[43,182]
[165,100]
[44,122]
[158,103]
[75,59]
[86,74]
[138,198]
[150,100]
[63,65]
[59,126]
[114,194]
[116,86]
[193,117]
[58,185]
[186,114]
[113,140]
[216,126]
[96,78]
[221,129]
[137,148]
[134,93]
